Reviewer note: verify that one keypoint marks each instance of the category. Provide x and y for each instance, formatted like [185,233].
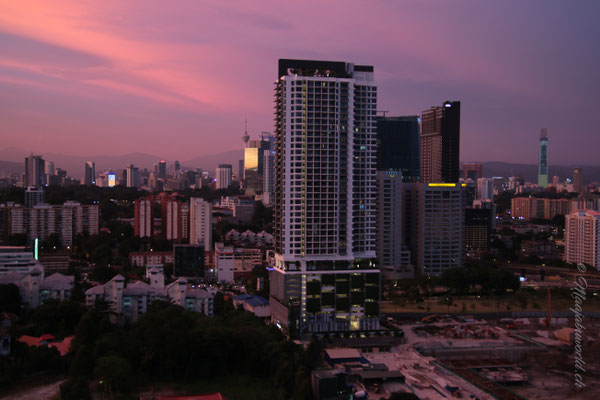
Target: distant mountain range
[12,161]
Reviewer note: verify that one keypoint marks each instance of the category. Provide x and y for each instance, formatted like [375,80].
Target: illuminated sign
[442,185]
[447,105]
[35,248]
[112,180]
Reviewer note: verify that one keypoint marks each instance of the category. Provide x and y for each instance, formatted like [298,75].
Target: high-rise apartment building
[392,253]
[582,238]
[89,177]
[224,172]
[132,176]
[201,223]
[325,275]
[43,220]
[578,180]
[543,162]
[398,146]
[34,171]
[440,143]
[144,217]
[434,227]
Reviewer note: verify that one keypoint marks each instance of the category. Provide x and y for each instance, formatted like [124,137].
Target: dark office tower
[398,146]
[162,169]
[440,143]
[325,276]
[177,167]
[543,165]
[578,180]
[34,171]
[240,175]
[189,260]
[478,228]
[472,171]
[90,174]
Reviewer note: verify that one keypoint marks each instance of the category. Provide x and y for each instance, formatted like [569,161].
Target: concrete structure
[34,171]
[130,301]
[188,260]
[34,289]
[472,171]
[224,173]
[34,196]
[440,143]
[17,259]
[236,263]
[145,258]
[485,189]
[578,180]
[533,207]
[257,305]
[582,238]
[132,176]
[392,253]
[325,198]
[543,161]
[144,217]
[44,220]
[200,222]
[434,226]
[89,176]
[398,146]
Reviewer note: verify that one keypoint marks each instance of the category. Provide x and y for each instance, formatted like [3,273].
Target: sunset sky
[178,78]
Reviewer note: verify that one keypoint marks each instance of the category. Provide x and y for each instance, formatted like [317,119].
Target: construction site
[444,357]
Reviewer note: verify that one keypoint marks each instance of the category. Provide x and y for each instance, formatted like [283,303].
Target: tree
[10,300]
[115,374]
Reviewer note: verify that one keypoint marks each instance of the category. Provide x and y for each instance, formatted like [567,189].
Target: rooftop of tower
[335,69]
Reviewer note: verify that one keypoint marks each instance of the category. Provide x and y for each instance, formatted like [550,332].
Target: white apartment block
[201,223]
[325,197]
[132,300]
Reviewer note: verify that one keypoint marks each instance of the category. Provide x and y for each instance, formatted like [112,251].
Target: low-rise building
[34,289]
[132,300]
[257,305]
[145,258]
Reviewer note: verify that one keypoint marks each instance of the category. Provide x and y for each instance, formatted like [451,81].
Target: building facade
[440,143]
[324,275]
[582,238]
[398,146]
[543,161]
[201,223]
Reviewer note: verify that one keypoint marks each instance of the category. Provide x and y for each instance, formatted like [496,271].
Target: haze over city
[178,81]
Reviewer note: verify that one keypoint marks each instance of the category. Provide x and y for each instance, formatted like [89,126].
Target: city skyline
[121,79]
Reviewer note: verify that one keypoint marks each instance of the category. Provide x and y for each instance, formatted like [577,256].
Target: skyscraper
[578,180]
[440,143]
[325,275]
[90,174]
[224,172]
[254,166]
[201,223]
[582,238]
[434,227]
[543,164]
[34,171]
[132,176]
[398,146]
[162,169]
